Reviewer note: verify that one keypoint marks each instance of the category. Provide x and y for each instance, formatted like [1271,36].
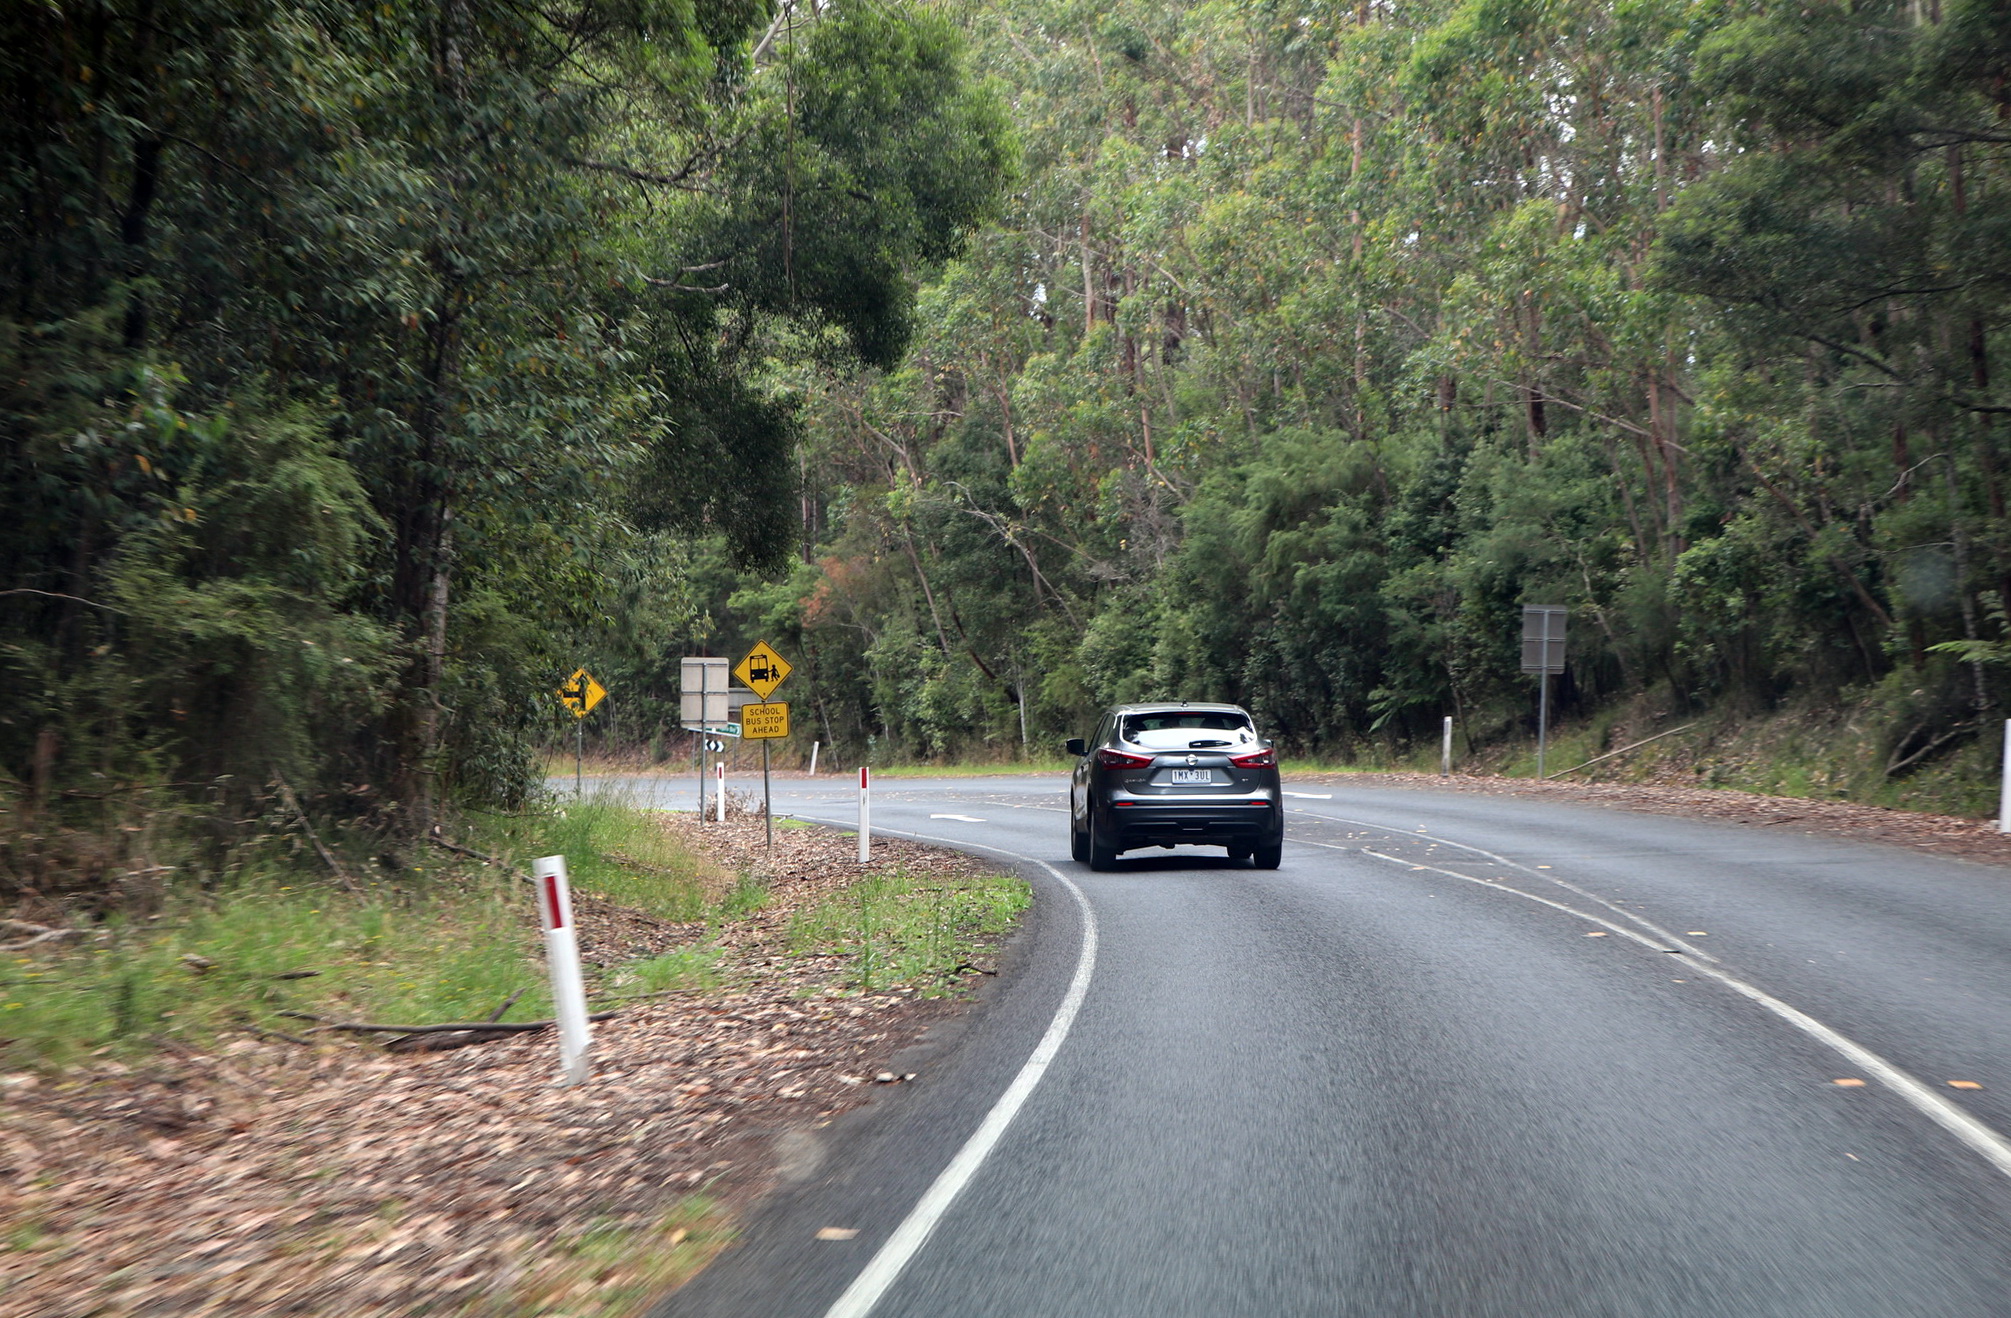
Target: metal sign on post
[701,708]
[765,721]
[562,959]
[763,670]
[1542,654]
[580,694]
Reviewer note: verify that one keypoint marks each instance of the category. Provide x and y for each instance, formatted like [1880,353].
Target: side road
[287,1171]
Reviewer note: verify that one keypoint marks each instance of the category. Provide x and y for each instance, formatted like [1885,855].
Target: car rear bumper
[1146,822]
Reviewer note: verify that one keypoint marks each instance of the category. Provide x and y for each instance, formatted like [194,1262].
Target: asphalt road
[1586,1069]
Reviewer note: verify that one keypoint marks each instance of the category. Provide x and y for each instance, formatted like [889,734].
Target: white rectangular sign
[702,694]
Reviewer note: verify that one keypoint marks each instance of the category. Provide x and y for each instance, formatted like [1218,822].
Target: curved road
[1460,1055]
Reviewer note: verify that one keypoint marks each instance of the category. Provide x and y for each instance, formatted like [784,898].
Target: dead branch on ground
[292,803]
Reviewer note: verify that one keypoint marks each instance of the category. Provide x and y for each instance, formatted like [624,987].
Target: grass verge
[920,930]
[448,939]
[1867,747]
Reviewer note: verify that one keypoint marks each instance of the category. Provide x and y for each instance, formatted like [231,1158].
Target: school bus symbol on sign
[763,670]
[765,720]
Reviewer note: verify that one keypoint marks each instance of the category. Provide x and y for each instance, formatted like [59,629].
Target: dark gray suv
[1175,772]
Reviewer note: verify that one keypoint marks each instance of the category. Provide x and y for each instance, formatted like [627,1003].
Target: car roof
[1170,706]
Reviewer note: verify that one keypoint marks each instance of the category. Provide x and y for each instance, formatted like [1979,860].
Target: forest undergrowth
[1868,747]
[227,1156]
[274,933]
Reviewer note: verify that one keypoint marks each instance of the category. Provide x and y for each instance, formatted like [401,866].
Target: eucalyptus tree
[1853,237]
[360,358]
[1319,339]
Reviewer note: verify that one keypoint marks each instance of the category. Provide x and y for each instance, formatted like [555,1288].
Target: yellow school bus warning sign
[763,670]
[765,720]
[581,693]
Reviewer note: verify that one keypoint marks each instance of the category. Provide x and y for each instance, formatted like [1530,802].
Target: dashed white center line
[1957,1121]
[968,819]
[1312,796]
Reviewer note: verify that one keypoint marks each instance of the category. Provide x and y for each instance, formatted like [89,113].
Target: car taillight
[1110,759]
[1262,759]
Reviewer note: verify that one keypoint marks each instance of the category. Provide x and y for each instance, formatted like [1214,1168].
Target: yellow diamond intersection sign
[770,719]
[762,670]
[581,693]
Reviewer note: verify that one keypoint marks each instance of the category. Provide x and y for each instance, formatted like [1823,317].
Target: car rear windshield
[1183,729]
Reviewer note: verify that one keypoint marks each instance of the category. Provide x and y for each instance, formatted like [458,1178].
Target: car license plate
[1192,776]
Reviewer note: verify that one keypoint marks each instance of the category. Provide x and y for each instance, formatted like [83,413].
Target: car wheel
[1239,851]
[1078,842]
[1270,854]
[1102,848]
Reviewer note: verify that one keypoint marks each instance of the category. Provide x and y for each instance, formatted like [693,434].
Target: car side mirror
[1077,746]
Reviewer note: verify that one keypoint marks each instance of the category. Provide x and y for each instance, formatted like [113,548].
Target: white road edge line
[893,1256]
[1309,796]
[967,819]
[1620,911]
[1982,1139]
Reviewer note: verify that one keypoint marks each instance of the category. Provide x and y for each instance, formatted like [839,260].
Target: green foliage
[1309,351]
[439,940]
[616,852]
[918,930]
[366,368]
[210,963]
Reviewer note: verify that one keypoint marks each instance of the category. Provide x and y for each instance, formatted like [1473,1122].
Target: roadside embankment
[1943,835]
[226,1147]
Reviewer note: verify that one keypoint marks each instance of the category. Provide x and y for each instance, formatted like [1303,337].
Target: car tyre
[1078,842]
[1270,854]
[1102,849]
[1239,851]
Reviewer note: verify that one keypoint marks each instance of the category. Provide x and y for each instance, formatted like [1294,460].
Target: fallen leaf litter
[261,1177]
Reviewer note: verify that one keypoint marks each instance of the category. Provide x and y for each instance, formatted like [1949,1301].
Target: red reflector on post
[1110,759]
[554,912]
[1262,759]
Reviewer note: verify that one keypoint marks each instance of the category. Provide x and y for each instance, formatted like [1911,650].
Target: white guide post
[865,814]
[813,759]
[1445,751]
[719,772]
[2004,792]
[562,957]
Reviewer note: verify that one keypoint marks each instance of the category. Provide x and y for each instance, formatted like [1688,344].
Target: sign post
[1445,751]
[763,670]
[865,814]
[580,694]
[562,959]
[701,701]
[2004,792]
[1542,654]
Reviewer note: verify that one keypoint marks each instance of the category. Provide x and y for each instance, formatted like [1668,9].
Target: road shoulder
[1940,835]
